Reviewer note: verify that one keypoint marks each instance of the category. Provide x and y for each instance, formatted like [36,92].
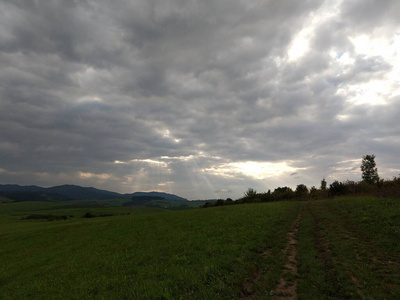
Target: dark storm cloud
[179,95]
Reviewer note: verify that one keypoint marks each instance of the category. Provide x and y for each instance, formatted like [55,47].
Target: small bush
[337,188]
[88,215]
[45,217]
[207,204]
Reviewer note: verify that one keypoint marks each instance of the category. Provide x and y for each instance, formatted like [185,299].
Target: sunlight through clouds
[380,89]
[257,170]
[373,92]
[87,175]
[166,133]
[149,161]
[301,43]
[196,97]
[374,45]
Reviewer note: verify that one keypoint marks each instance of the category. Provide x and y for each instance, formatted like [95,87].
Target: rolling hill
[72,192]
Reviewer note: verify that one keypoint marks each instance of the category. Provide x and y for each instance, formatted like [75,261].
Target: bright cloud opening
[166,133]
[378,90]
[149,161]
[373,46]
[257,170]
[374,92]
[300,44]
[88,175]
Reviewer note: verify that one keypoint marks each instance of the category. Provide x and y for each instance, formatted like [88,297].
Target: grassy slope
[350,249]
[204,254]
[347,248]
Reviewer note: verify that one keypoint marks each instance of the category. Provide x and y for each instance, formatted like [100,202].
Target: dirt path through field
[287,287]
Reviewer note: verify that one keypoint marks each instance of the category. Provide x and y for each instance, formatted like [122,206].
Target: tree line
[370,184]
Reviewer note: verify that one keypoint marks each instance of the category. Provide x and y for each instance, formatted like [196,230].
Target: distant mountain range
[157,195]
[72,192]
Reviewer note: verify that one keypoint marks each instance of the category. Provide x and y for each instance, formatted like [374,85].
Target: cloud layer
[199,98]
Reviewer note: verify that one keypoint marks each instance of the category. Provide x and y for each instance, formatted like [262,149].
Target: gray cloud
[200,98]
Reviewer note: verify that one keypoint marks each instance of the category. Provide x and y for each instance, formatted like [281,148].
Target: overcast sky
[200,98]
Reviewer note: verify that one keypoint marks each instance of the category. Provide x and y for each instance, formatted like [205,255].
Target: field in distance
[328,249]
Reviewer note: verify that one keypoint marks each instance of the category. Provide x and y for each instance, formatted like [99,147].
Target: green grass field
[328,249]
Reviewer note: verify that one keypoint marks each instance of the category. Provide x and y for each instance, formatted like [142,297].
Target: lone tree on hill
[369,170]
[323,184]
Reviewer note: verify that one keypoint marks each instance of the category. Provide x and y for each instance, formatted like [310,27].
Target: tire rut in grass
[381,267]
[287,286]
[332,286]
[353,267]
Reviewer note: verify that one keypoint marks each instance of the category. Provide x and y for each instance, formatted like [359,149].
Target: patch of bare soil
[287,287]
[248,286]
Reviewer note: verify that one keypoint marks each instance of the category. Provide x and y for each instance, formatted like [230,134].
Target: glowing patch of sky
[300,44]
[257,170]
[87,175]
[378,90]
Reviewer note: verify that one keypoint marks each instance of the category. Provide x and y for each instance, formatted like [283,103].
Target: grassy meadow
[347,248]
